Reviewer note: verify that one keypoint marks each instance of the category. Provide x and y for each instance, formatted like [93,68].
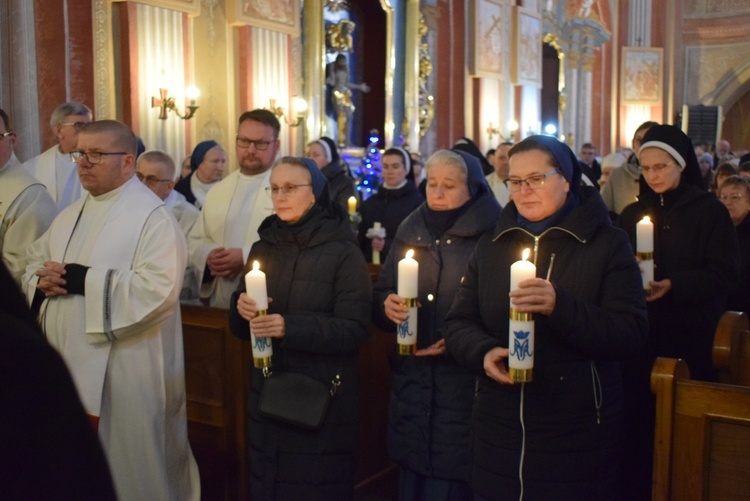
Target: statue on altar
[338,79]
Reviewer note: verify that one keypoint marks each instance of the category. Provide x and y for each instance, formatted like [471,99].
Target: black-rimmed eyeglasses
[93,157]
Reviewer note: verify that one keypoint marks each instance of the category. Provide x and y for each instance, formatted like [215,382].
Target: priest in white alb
[106,278]
[220,241]
[54,167]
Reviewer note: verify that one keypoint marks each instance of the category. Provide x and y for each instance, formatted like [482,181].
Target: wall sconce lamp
[492,131]
[167,103]
[300,108]
[512,126]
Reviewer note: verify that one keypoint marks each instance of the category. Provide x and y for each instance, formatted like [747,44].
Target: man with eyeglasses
[54,168]
[219,243]
[156,170]
[26,209]
[106,278]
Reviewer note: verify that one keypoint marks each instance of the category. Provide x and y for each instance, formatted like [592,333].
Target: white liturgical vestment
[122,339]
[502,195]
[230,218]
[59,173]
[186,215]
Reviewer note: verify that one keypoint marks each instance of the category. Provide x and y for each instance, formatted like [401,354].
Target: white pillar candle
[255,288]
[521,326]
[644,231]
[352,204]
[408,284]
[376,253]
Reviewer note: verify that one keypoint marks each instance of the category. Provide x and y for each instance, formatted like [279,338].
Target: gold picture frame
[527,48]
[642,75]
[192,7]
[269,14]
[490,41]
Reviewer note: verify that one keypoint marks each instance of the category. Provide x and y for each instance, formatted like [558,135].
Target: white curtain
[161,58]
[271,77]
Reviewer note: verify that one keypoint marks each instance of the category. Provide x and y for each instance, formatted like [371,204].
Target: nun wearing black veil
[558,436]
[320,296]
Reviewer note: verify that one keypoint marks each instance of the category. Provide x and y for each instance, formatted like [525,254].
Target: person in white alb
[112,312]
[26,209]
[220,241]
[501,163]
[54,168]
[156,170]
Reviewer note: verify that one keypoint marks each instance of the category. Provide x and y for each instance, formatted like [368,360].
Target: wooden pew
[731,352]
[217,381]
[702,441]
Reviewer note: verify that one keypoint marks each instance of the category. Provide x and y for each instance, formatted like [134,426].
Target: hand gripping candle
[644,231]
[408,283]
[255,288]
[521,326]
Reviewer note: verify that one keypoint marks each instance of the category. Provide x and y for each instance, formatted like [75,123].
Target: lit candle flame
[410,254]
[525,255]
[646,219]
[256,265]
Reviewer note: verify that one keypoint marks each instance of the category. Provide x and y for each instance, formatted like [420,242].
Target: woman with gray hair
[430,404]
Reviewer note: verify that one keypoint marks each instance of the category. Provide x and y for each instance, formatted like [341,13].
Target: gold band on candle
[407,349]
[521,375]
[648,292]
[262,313]
[260,363]
[645,256]
[518,316]
[410,302]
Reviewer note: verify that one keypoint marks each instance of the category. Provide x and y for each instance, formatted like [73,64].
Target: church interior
[418,74]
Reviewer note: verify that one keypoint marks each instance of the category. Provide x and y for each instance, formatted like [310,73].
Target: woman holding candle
[560,435]
[324,153]
[431,397]
[695,264]
[396,198]
[734,193]
[319,305]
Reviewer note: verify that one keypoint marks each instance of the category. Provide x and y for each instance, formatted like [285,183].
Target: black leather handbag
[295,398]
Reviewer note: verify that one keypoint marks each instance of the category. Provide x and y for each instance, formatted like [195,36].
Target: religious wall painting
[275,15]
[189,6]
[491,40]
[526,68]
[641,75]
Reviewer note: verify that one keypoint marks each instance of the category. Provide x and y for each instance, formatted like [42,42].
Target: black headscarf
[467,145]
[329,147]
[673,141]
[199,153]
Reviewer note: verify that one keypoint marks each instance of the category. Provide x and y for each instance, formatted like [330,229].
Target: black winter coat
[339,183]
[389,208]
[572,410]
[695,246]
[319,283]
[739,297]
[429,414]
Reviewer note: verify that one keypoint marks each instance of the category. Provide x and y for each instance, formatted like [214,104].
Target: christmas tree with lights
[368,175]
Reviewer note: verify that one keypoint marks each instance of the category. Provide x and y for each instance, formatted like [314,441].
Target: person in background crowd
[54,168]
[734,193]
[490,155]
[622,187]
[220,241]
[559,436]
[496,180]
[26,209]
[723,171]
[156,170]
[609,164]
[589,165]
[420,178]
[696,261]
[467,145]
[706,164]
[744,169]
[723,152]
[185,169]
[324,153]
[207,164]
[106,279]
[320,299]
[396,198]
[431,396]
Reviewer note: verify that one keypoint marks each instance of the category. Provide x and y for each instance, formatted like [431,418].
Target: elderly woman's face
[446,187]
[542,201]
[213,164]
[737,200]
[291,192]
[660,170]
[316,153]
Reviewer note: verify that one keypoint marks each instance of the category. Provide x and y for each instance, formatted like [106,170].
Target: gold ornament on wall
[426,100]
[339,36]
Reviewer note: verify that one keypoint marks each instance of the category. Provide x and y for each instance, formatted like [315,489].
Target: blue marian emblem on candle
[403,329]
[261,343]
[521,345]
